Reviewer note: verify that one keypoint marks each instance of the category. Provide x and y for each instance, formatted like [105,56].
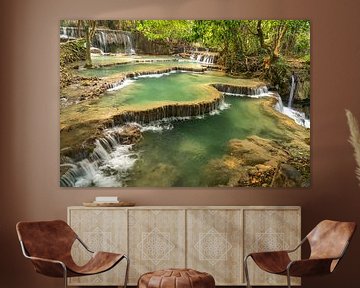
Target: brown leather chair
[328,242]
[48,245]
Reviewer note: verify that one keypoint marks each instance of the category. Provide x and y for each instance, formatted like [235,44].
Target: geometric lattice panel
[156,240]
[100,230]
[214,241]
[270,230]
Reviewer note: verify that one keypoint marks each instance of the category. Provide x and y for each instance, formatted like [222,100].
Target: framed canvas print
[185,103]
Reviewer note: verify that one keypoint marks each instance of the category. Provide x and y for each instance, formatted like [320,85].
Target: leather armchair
[328,243]
[48,245]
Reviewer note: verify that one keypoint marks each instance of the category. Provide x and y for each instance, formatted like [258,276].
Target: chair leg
[246,270]
[288,278]
[65,276]
[126,271]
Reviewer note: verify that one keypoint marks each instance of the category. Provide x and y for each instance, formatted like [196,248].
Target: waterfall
[101,38]
[297,116]
[128,43]
[292,90]
[252,92]
[279,106]
[107,166]
[69,33]
[105,39]
[204,58]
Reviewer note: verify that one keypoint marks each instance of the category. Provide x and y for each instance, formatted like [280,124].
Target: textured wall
[29,119]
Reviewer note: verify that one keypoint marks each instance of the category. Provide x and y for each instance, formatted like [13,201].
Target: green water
[133,67]
[181,156]
[176,87]
[120,58]
[146,93]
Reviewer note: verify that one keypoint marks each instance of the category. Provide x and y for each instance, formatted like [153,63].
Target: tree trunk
[88,63]
[278,42]
[260,34]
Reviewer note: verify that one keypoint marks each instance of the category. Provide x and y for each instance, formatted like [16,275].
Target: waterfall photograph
[185,103]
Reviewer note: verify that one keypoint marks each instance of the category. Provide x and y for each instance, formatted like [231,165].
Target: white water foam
[222,106]
[155,126]
[259,93]
[129,81]
[202,58]
[297,116]
[123,84]
[246,95]
[156,75]
[109,165]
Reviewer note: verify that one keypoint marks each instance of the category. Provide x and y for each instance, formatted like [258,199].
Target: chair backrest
[329,239]
[46,239]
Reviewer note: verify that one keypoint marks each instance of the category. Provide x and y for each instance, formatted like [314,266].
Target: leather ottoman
[176,278]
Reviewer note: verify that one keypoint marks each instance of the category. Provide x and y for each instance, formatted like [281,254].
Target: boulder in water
[129,134]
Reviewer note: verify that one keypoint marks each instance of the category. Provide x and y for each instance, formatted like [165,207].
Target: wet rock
[129,134]
[255,150]
[227,171]
[286,176]
[254,161]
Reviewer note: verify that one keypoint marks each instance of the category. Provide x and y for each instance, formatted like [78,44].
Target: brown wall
[29,113]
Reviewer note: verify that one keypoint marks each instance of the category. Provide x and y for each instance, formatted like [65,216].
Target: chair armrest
[268,253]
[46,260]
[49,267]
[281,251]
[309,267]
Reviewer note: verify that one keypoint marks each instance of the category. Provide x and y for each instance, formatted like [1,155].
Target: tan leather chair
[328,242]
[48,245]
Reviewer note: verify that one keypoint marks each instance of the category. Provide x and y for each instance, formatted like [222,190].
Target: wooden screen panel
[156,240]
[271,230]
[101,230]
[214,244]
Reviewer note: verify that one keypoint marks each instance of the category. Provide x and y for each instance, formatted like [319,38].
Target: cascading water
[129,48]
[102,40]
[111,162]
[297,116]
[203,58]
[292,90]
[69,33]
[105,39]
[251,92]
[107,166]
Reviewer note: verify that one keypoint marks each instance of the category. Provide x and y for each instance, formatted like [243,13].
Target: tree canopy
[243,45]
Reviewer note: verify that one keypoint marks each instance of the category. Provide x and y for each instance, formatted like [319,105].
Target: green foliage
[244,45]
[170,31]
